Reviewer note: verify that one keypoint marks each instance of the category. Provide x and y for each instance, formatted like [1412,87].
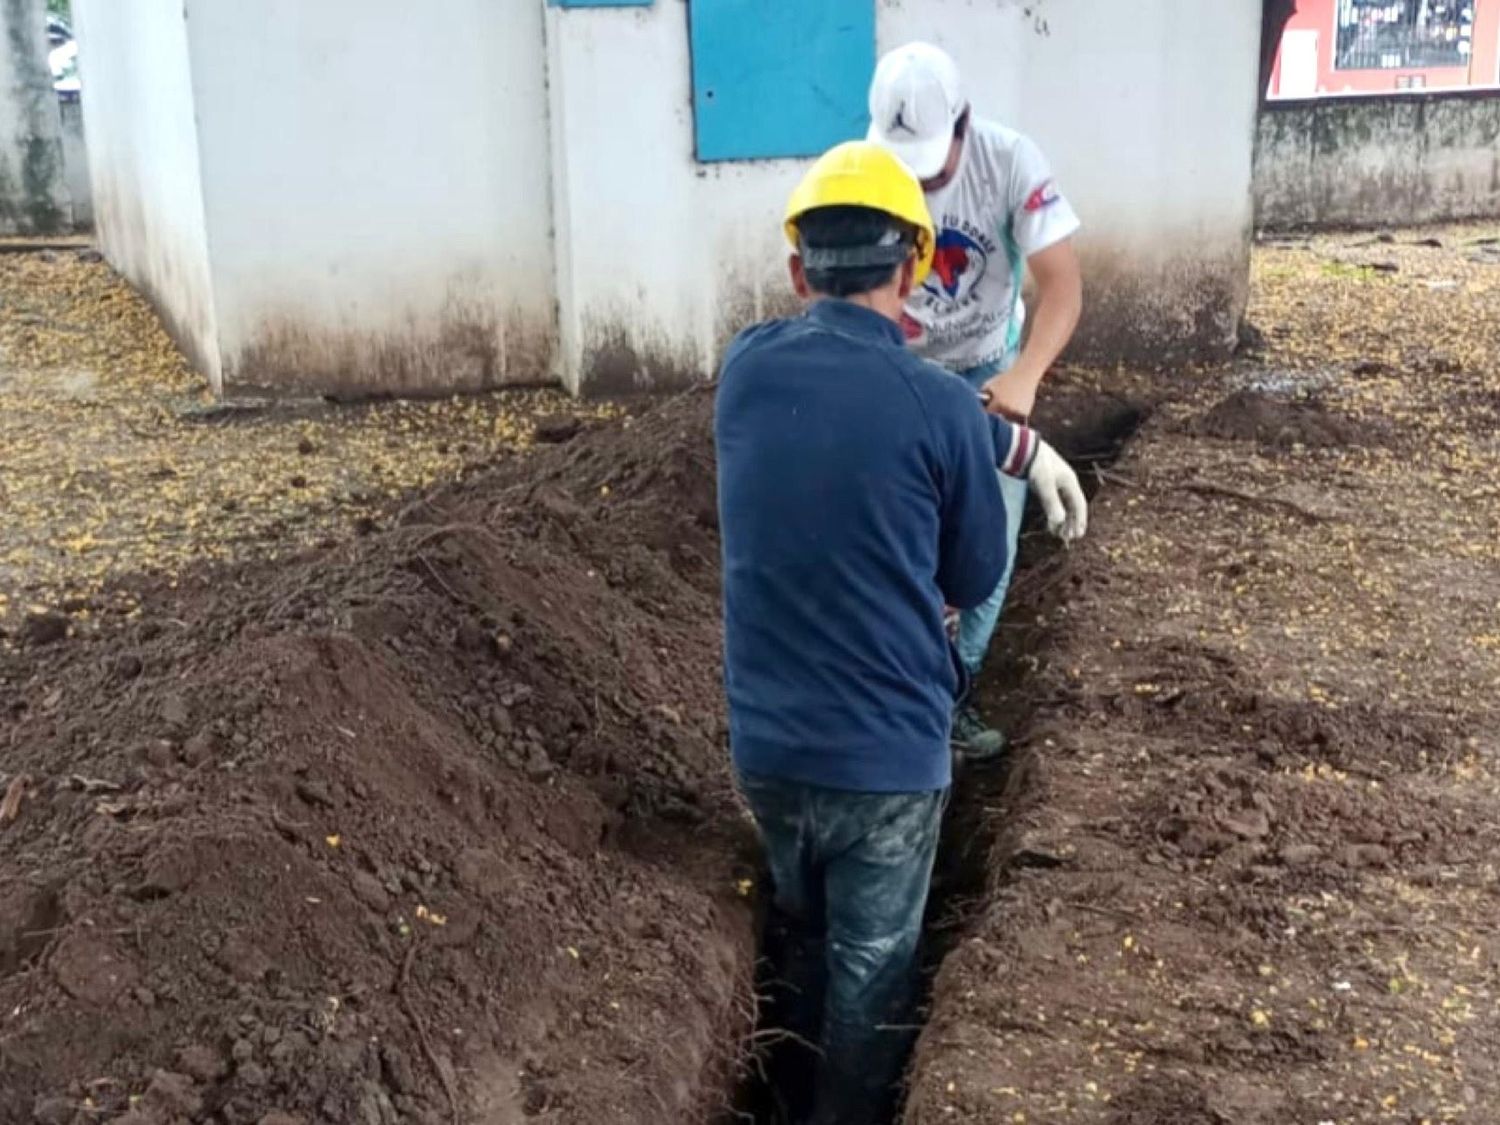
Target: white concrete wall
[33,188]
[143,161]
[381,180]
[376,184]
[1147,112]
[661,258]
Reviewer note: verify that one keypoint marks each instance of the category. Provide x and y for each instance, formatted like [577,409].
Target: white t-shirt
[1001,207]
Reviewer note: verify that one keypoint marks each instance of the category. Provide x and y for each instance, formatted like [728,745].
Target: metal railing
[1392,47]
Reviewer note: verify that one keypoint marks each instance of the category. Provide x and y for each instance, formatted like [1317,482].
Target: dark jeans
[851,873]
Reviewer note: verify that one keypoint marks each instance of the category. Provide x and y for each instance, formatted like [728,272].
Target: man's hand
[1056,486]
[1010,394]
[1059,300]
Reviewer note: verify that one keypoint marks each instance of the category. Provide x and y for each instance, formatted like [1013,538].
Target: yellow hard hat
[862,174]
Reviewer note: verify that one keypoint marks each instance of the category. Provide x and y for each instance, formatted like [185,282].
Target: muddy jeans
[977,626]
[851,873]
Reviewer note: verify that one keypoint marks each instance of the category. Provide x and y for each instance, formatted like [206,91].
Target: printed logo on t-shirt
[911,328]
[958,265]
[1002,207]
[1042,198]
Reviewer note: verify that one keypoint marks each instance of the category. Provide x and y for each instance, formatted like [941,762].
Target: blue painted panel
[775,78]
[601,3]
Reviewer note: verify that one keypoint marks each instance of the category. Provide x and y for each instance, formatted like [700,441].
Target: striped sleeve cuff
[1023,447]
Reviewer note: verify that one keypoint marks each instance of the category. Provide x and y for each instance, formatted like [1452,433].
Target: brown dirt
[114,460]
[1278,423]
[1241,871]
[1227,884]
[435,825]
[431,826]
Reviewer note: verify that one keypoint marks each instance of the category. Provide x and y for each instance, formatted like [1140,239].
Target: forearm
[1059,288]
[1052,325]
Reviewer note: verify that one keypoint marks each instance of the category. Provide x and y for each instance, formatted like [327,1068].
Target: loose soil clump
[432,826]
[1280,423]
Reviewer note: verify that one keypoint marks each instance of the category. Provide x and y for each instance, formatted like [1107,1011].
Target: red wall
[1485,70]
[1318,15]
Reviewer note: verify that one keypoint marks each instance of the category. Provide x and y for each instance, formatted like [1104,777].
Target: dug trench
[1089,426]
[434,825]
[1227,876]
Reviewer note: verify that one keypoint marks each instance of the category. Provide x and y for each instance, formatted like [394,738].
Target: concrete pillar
[76,163]
[33,185]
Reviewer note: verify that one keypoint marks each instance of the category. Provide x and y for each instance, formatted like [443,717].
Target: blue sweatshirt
[857,495]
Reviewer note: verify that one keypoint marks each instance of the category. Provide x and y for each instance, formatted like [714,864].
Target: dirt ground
[1244,869]
[114,459]
[427,818]
[430,825]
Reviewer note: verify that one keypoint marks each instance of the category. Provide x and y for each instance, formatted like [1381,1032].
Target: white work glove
[1055,485]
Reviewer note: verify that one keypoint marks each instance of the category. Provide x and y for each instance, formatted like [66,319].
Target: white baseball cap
[915,99]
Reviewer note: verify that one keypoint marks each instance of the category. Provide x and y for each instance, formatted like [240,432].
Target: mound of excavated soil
[433,826]
[1281,424]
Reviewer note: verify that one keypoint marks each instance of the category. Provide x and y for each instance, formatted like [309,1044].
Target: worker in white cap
[998,212]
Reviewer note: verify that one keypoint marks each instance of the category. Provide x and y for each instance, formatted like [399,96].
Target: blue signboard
[779,78]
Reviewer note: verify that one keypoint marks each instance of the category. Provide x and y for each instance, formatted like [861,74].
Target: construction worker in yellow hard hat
[861,177]
[857,498]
